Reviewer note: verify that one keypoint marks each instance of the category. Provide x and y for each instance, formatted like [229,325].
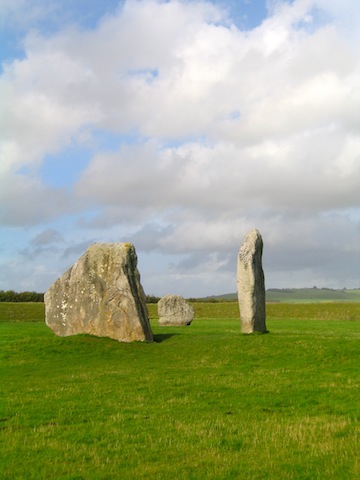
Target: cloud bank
[184,131]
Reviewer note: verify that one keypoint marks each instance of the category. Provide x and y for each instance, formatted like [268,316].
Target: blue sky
[178,126]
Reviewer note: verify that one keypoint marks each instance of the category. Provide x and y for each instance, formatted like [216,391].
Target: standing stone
[100,295]
[250,284]
[174,310]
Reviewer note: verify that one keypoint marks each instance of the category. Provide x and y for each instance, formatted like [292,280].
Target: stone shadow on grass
[161,337]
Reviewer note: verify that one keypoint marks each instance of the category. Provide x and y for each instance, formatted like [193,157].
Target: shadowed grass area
[202,402]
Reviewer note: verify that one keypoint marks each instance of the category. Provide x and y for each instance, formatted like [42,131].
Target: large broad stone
[100,295]
[174,310]
[251,284]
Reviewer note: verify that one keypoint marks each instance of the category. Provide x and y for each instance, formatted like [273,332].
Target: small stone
[251,284]
[174,310]
[100,295]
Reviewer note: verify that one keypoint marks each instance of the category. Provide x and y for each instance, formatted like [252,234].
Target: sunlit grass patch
[201,402]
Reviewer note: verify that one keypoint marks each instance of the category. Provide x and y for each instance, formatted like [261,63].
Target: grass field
[202,402]
[303,295]
[309,295]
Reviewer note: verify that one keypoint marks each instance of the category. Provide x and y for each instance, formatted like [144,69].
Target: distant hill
[300,295]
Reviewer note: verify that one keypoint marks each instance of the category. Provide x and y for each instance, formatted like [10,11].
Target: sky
[179,126]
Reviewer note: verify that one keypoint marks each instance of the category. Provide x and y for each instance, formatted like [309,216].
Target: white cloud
[20,13]
[214,130]
[313,171]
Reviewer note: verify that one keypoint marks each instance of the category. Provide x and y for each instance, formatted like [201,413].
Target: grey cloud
[148,238]
[30,254]
[77,249]
[197,262]
[25,201]
[48,236]
[107,217]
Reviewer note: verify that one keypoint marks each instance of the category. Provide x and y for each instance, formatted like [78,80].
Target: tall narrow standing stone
[101,295]
[251,284]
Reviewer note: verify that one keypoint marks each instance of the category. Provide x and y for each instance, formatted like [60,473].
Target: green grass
[202,402]
[21,312]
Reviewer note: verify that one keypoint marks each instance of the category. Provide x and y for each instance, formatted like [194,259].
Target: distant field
[202,402]
[303,295]
[313,295]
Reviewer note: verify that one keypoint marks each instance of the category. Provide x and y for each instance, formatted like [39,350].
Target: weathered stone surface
[251,284]
[101,295]
[174,310]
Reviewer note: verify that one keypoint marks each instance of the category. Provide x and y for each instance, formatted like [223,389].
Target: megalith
[100,295]
[251,284]
[174,310]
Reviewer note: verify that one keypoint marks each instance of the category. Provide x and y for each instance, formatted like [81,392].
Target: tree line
[11,296]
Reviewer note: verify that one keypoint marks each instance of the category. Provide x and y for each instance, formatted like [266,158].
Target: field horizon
[299,295]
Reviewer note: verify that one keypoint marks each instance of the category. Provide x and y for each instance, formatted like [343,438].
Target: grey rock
[100,295]
[251,284]
[174,310]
